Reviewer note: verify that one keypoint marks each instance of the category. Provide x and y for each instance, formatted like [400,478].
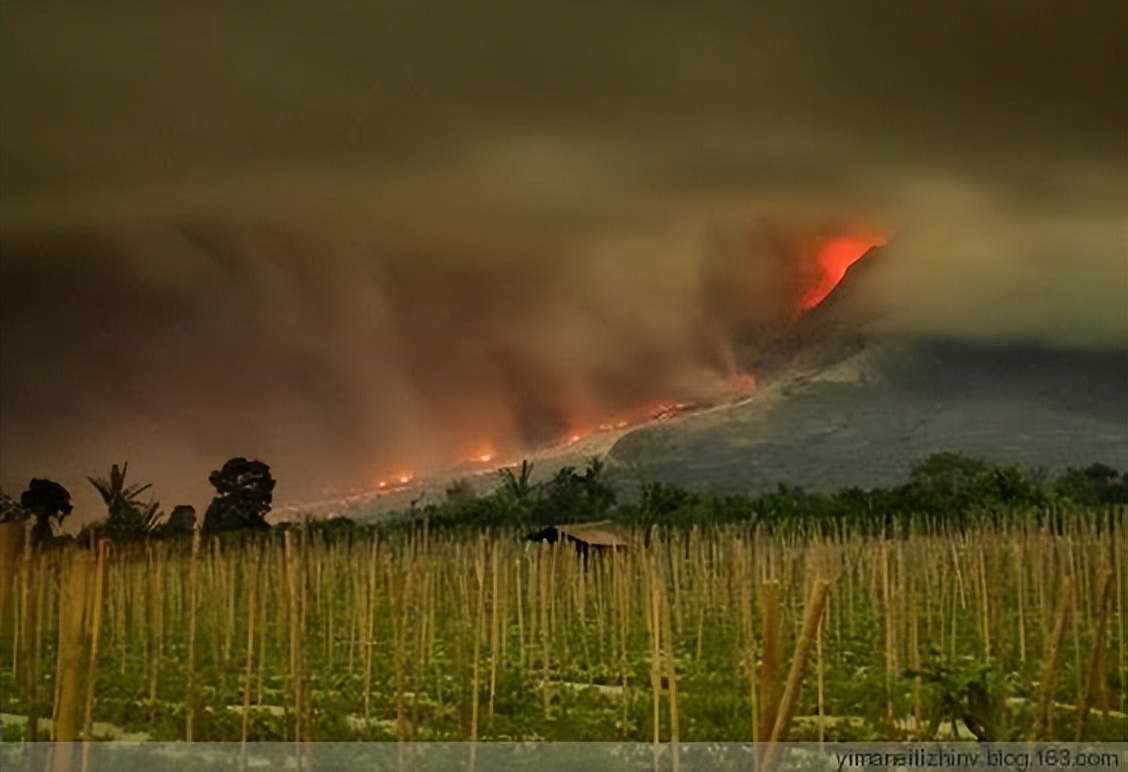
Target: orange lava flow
[835,258]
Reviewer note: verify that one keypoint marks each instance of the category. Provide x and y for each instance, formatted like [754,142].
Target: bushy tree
[948,481]
[954,484]
[49,503]
[10,509]
[572,497]
[244,493]
[460,492]
[181,521]
[1094,485]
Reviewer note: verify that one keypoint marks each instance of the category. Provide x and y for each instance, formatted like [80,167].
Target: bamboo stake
[744,578]
[251,592]
[771,672]
[369,616]
[1075,620]
[1049,678]
[986,608]
[1020,573]
[12,536]
[821,680]
[494,627]
[95,629]
[479,616]
[157,629]
[542,604]
[522,646]
[1094,684]
[790,700]
[655,648]
[890,636]
[68,675]
[1119,537]
[23,617]
[918,718]
[815,606]
[671,676]
[192,604]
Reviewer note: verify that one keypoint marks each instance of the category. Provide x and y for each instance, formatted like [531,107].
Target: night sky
[349,238]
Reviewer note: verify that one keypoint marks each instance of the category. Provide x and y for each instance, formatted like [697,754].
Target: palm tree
[517,484]
[128,516]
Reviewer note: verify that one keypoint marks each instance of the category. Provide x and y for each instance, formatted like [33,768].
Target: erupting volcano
[590,428]
[835,258]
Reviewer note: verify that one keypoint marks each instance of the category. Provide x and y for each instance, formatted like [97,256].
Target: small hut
[586,537]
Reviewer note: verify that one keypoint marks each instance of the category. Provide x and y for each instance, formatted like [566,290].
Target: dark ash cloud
[348,236]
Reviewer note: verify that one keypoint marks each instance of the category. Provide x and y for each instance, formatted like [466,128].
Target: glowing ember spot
[835,258]
[479,453]
[668,411]
[573,439]
[396,480]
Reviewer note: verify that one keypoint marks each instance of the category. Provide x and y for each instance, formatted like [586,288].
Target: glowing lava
[396,481]
[475,454]
[835,258]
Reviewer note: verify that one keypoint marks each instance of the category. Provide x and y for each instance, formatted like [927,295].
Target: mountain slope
[843,405]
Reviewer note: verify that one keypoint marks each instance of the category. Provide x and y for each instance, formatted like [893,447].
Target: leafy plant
[971,692]
[127,516]
[517,485]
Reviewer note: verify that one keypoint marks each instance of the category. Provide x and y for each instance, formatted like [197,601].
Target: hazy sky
[346,237]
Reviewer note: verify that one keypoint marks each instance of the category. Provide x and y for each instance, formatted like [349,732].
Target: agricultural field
[1003,630]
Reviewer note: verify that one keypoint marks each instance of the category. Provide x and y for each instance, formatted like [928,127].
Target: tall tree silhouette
[244,492]
[49,503]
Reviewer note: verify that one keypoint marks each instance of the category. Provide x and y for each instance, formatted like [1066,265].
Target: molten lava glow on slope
[482,454]
[398,480]
[834,258]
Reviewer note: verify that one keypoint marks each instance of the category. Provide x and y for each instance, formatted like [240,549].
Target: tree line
[244,492]
[948,487]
